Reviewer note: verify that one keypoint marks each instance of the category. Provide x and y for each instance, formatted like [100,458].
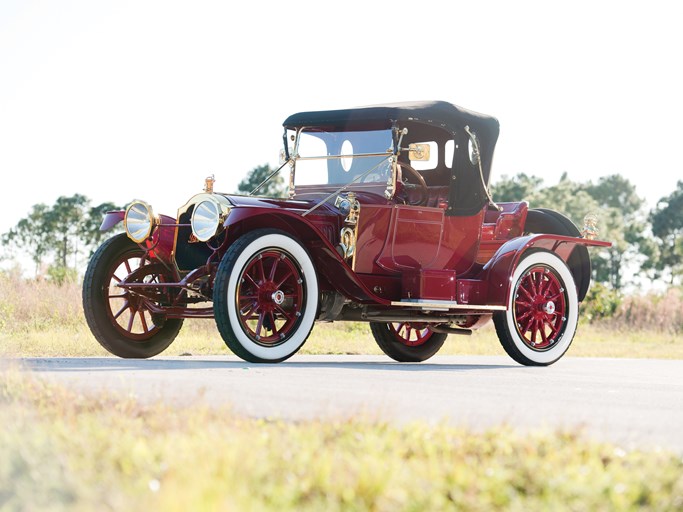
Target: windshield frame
[390,155]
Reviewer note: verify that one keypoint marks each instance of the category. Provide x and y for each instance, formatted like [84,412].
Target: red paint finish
[373,226]
[429,284]
[499,269]
[413,227]
[328,262]
[111,219]
[399,238]
[471,291]
[162,240]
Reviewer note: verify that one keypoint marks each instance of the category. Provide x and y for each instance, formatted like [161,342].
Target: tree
[63,231]
[275,187]
[63,225]
[30,235]
[615,191]
[613,198]
[517,188]
[667,227]
[626,227]
[90,232]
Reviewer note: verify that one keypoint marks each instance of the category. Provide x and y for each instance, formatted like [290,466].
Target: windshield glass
[337,158]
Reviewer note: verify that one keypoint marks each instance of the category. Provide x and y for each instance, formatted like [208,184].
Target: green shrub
[600,302]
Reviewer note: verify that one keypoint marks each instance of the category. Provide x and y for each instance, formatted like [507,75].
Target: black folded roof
[375,117]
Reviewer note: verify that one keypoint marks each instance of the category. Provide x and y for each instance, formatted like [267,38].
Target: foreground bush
[63,451]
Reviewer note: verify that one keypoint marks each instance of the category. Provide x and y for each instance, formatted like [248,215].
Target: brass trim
[154,220]
[348,236]
[391,181]
[222,210]
[590,227]
[208,184]
[196,199]
[419,152]
[339,157]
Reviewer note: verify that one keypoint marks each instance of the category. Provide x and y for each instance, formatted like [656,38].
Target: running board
[443,305]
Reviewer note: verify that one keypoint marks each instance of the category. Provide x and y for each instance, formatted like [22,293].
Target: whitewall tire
[265,296]
[542,311]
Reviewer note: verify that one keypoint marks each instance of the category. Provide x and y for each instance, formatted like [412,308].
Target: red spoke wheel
[407,341]
[120,320]
[270,296]
[128,312]
[542,312]
[265,296]
[411,334]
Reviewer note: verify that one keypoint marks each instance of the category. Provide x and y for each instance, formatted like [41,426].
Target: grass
[38,318]
[200,337]
[65,451]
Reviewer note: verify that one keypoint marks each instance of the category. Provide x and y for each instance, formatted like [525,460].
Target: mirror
[419,152]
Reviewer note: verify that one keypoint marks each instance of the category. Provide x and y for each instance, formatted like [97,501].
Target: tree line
[59,238]
[646,243]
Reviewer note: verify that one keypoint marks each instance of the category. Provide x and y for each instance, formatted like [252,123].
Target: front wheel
[119,319]
[407,342]
[265,296]
[542,313]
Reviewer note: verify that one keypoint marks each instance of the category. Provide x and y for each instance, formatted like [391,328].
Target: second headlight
[207,219]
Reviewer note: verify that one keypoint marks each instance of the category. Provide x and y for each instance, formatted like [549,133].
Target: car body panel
[414,242]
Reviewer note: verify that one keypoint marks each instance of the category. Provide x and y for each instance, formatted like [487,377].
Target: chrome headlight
[139,221]
[207,218]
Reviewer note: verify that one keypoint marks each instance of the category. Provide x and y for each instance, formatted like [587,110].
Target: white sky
[143,99]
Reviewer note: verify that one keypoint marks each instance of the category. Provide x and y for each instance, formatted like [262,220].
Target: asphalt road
[631,402]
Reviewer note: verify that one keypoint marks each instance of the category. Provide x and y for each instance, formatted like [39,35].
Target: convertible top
[377,117]
[465,199]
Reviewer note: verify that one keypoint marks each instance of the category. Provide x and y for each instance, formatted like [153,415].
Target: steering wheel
[421,184]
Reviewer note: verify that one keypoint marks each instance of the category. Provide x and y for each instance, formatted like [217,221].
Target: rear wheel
[265,296]
[542,314]
[120,320]
[407,342]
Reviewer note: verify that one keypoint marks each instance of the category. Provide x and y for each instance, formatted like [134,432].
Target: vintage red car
[389,221]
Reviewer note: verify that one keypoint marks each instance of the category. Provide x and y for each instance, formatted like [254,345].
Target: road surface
[630,402]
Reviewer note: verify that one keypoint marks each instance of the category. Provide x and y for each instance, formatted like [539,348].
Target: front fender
[327,260]
[111,219]
[161,241]
[499,269]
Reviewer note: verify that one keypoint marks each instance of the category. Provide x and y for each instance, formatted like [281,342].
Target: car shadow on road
[104,364]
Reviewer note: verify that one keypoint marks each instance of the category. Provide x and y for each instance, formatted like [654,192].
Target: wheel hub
[540,308]
[270,297]
[549,308]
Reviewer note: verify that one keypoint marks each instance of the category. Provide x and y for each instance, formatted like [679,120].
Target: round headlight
[139,221]
[206,219]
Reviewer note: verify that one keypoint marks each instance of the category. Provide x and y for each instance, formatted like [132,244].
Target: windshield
[338,158]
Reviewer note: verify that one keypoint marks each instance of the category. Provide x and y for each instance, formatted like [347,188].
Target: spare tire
[543,220]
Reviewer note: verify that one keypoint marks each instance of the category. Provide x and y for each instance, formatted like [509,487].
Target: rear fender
[498,271]
[328,262]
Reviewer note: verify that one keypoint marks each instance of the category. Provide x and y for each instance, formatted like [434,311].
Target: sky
[122,100]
